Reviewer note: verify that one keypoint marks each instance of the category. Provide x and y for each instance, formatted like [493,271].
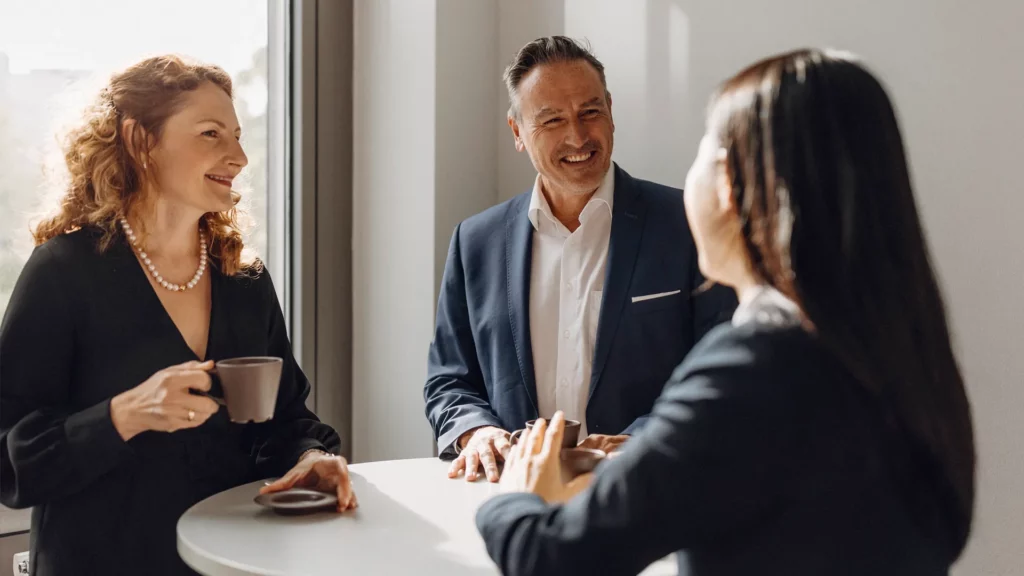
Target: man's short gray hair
[543,51]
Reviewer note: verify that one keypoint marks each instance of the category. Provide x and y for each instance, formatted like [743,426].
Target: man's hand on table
[484,446]
[606,443]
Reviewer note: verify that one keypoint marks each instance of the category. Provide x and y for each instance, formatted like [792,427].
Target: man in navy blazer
[582,294]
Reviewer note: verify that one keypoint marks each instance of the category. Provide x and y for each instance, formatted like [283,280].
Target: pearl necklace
[152,268]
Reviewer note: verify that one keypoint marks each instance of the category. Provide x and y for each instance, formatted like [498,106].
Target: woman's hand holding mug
[164,402]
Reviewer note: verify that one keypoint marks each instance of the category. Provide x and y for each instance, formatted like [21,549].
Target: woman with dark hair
[826,429]
[138,281]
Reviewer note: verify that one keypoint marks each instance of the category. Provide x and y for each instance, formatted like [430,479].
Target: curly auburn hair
[107,172]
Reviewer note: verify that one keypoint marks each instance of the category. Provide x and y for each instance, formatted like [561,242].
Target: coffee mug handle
[515,436]
[216,399]
[213,374]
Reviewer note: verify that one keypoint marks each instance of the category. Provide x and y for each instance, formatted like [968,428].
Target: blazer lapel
[518,260]
[623,246]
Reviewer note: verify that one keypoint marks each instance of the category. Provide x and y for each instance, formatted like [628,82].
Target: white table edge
[211,565]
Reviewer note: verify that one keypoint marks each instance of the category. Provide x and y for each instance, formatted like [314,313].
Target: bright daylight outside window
[56,54]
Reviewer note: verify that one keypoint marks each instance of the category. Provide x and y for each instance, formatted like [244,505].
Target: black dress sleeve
[294,429]
[48,450]
[706,464]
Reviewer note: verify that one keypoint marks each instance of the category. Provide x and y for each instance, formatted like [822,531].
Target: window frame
[314,223]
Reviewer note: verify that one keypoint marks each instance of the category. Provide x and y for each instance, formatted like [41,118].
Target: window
[56,54]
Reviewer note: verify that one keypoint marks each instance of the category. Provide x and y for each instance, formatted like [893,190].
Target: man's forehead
[557,86]
[553,108]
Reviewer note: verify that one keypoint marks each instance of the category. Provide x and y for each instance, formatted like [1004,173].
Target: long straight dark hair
[819,174]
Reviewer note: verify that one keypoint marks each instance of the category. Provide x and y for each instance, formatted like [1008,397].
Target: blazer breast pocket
[644,303]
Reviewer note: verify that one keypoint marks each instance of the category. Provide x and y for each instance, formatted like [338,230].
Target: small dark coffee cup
[575,461]
[249,385]
[569,439]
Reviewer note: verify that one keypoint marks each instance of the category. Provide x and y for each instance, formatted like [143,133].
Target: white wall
[953,69]
[642,50]
[519,22]
[393,225]
[468,90]
[425,158]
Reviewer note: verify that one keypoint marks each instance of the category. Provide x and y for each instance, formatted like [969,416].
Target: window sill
[14,521]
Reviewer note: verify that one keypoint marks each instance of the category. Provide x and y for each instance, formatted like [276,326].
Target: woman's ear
[136,141]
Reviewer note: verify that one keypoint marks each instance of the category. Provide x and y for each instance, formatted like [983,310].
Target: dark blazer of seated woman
[762,456]
[826,430]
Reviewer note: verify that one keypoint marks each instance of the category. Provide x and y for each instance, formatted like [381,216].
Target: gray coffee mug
[250,386]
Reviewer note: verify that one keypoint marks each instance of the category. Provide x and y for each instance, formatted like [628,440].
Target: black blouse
[82,327]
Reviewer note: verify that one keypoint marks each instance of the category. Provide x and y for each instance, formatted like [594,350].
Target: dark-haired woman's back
[842,490]
[763,456]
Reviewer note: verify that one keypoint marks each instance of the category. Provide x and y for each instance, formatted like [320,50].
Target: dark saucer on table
[297,501]
[578,461]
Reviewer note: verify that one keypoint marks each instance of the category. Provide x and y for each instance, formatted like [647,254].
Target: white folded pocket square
[653,296]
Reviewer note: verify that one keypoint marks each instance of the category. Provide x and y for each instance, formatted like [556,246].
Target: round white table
[412,519]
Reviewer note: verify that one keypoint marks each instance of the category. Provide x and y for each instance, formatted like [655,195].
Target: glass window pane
[56,54]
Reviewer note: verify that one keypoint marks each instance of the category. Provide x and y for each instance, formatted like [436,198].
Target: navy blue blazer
[480,366]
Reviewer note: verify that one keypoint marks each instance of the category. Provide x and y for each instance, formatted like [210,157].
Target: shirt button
[565,381]
[566,334]
[568,285]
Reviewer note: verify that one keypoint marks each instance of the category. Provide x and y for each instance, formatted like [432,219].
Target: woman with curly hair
[138,281]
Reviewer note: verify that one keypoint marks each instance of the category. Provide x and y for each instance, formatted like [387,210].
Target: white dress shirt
[566,286]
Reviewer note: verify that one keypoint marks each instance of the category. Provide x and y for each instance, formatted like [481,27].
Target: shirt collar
[603,197]
[766,305]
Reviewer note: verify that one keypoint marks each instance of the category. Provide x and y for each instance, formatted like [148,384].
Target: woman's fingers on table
[336,470]
[283,483]
[323,473]
[345,496]
[353,502]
